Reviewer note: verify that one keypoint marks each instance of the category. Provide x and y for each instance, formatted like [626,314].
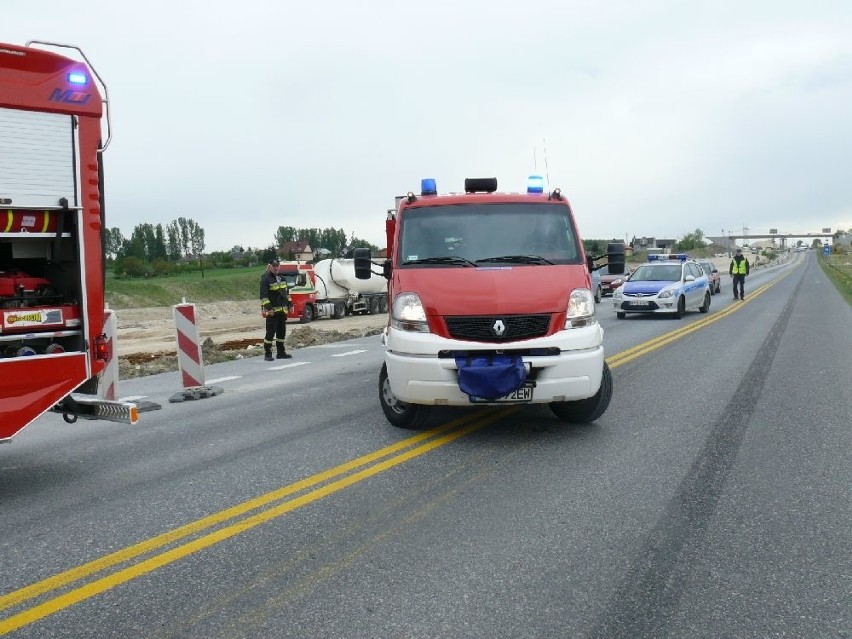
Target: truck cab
[491,302]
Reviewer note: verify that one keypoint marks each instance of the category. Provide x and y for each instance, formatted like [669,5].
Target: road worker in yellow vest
[738,270]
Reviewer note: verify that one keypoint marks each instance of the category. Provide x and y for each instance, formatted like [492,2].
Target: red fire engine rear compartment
[29,387]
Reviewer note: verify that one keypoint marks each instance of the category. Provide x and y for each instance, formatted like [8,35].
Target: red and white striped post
[190,360]
[108,386]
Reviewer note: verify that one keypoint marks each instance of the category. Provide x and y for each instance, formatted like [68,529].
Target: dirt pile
[151,362]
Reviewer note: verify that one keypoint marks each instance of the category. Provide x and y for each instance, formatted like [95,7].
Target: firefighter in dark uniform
[274,304]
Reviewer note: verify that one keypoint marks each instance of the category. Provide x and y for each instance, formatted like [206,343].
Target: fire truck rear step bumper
[90,407]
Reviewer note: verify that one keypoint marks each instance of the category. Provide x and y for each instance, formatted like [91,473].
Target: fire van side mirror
[615,257]
[362,263]
[590,262]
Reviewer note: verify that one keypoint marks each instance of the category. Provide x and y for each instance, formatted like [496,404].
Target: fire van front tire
[585,411]
[400,414]
[307,315]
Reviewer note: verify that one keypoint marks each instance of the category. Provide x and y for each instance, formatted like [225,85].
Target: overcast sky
[655,117]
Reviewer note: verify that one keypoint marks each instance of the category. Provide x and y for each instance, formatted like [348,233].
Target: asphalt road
[711,500]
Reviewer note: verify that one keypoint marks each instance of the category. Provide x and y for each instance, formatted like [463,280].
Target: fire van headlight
[408,313]
[665,294]
[581,308]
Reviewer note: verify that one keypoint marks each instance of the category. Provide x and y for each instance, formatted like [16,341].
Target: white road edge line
[293,365]
[223,379]
[349,353]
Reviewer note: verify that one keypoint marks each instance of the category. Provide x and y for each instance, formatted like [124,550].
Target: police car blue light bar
[671,256]
[75,77]
[428,187]
[535,184]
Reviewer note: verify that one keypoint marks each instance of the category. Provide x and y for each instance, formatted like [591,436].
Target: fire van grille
[487,328]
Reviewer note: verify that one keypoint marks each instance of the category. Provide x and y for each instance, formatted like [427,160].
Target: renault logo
[499,328]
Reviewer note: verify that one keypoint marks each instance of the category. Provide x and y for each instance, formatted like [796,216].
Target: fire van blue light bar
[535,184]
[75,77]
[428,186]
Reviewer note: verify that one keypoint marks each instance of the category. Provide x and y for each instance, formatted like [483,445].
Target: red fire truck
[52,343]
[490,304]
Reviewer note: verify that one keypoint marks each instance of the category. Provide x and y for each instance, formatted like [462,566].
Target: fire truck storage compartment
[38,159]
[41,289]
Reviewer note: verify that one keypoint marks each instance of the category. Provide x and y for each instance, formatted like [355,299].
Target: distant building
[653,244]
[299,250]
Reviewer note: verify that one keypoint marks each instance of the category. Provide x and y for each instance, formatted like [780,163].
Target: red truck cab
[491,302]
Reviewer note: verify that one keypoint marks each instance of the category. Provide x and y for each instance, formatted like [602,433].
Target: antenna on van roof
[546,170]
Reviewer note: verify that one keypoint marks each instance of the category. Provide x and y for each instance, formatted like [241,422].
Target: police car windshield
[516,233]
[657,273]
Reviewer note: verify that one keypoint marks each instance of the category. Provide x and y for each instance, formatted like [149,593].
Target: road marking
[348,353]
[463,425]
[132,398]
[667,338]
[224,379]
[283,366]
[275,504]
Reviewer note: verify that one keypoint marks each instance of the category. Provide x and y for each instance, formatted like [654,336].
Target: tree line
[179,247]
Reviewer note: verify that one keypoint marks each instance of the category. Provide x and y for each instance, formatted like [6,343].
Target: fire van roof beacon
[535,184]
[428,186]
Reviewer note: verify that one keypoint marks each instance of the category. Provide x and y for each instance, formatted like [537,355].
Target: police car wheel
[400,414]
[588,410]
[620,315]
[681,307]
[598,295]
[706,305]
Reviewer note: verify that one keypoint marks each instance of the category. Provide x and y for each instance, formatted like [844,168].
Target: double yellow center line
[153,553]
[645,347]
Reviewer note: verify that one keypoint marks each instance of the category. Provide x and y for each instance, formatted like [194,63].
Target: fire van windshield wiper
[447,259]
[516,259]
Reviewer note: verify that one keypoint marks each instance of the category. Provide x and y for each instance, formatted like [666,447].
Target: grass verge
[838,268]
[217,285]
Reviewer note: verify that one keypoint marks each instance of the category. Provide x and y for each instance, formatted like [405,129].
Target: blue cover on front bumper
[491,376]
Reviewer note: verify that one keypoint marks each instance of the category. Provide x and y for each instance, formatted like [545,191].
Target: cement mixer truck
[330,289]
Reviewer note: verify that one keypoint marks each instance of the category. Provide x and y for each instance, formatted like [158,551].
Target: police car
[671,284]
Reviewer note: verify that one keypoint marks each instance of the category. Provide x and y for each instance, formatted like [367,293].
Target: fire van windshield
[464,235]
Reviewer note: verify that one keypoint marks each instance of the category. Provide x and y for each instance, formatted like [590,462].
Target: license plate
[523,394]
[640,303]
